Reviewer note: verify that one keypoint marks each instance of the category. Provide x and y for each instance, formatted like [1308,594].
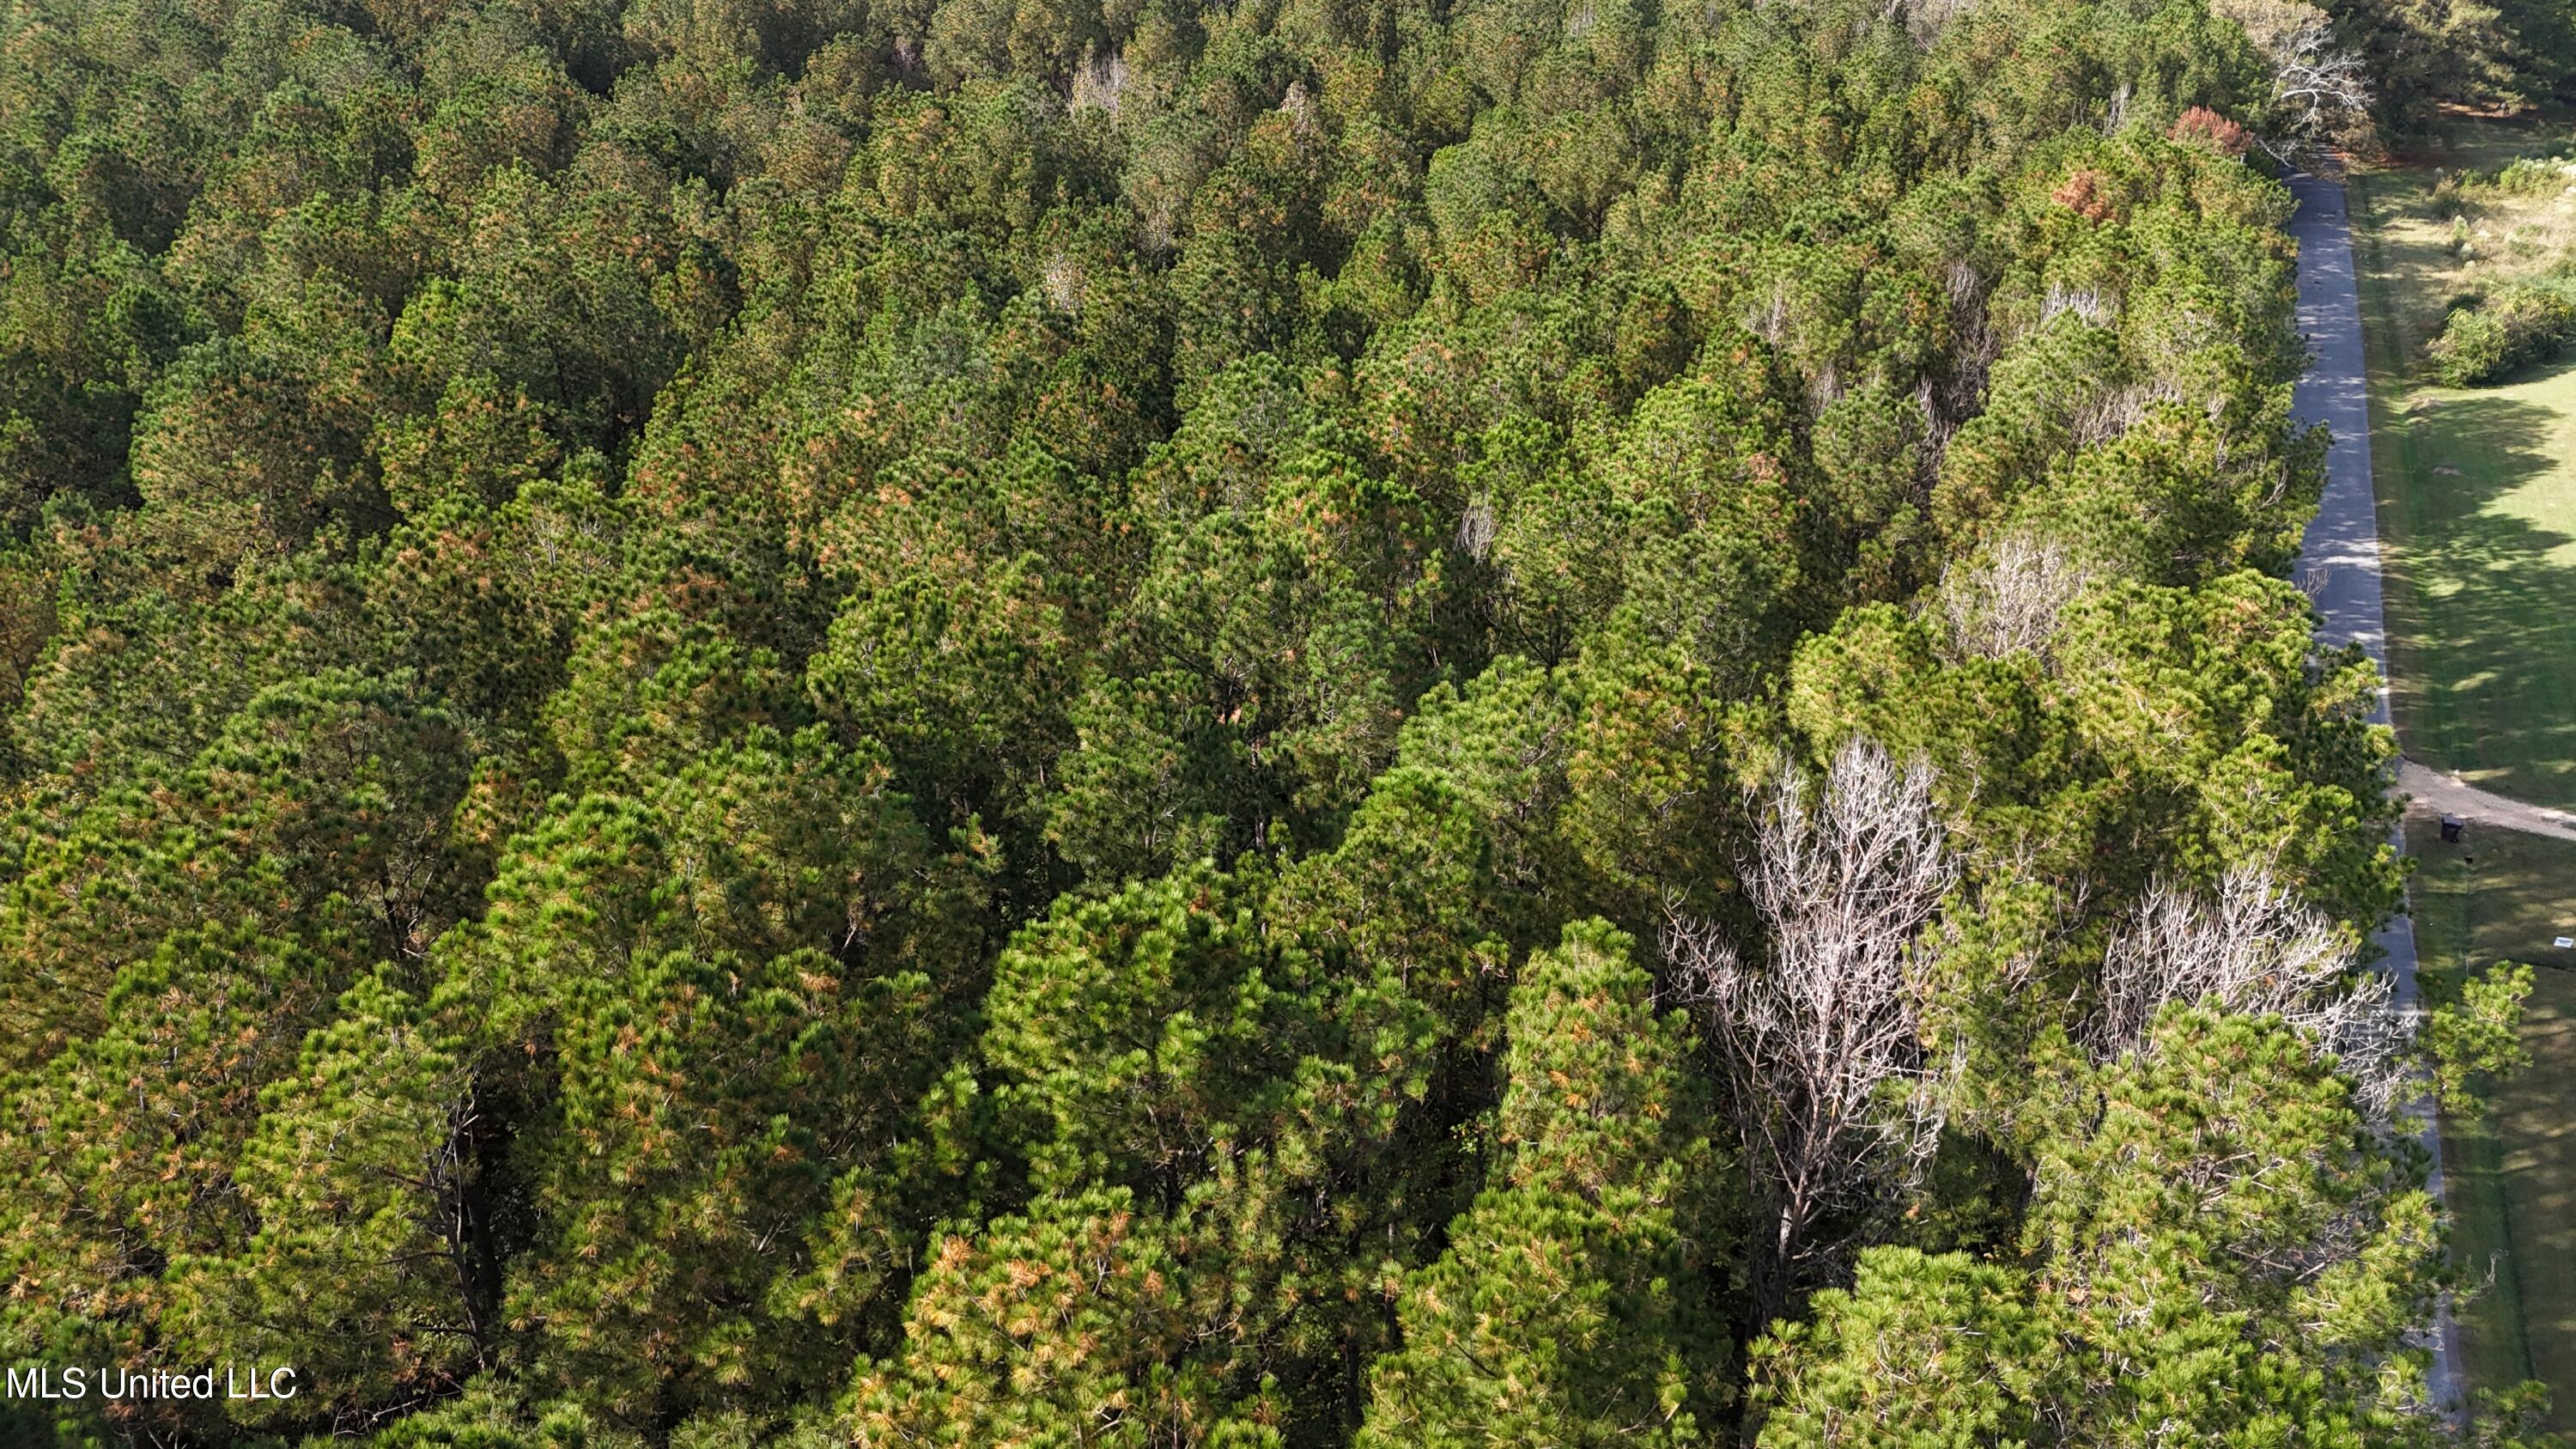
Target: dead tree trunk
[1821,1040]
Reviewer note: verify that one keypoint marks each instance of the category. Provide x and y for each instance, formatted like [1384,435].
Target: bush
[2458,194]
[2535,175]
[2517,324]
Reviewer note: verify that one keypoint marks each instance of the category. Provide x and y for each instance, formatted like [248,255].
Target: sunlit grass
[2477,512]
[2476,487]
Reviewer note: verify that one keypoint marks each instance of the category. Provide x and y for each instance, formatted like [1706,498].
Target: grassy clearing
[2477,488]
[2512,1177]
[2477,515]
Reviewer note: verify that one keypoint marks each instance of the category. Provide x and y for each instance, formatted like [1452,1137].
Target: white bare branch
[2254,948]
[1833,1091]
[2010,601]
[1061,282]
[1926,20]
[1099,81]
[2320,91]
[2085,302]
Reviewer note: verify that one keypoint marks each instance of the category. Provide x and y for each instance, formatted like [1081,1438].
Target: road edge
[2342,551]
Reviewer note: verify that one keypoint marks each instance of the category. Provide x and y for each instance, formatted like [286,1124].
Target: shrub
[2517,324]
[2535,175]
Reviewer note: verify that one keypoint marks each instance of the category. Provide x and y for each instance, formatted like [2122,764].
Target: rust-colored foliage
[2204,126]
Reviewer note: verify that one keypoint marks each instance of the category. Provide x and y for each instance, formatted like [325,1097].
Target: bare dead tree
[2116,114]
[2111,412]
[1476,528]
[2011,600]
[1099,81]
[1299,106]
[1833,1090]
[2085,302]
[1926,20]
[1960,392]
[2320,91]
[2321,86]
[2254,948]
[1061,282]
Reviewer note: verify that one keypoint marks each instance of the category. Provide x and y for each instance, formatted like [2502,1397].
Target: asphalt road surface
[2435,792]
[2339,558]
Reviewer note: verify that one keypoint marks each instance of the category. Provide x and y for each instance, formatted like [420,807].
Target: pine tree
[1573,1305]
[1070,1328]
[1923,1351]
[374,1268]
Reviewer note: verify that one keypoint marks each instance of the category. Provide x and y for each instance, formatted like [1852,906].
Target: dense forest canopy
[1270,724]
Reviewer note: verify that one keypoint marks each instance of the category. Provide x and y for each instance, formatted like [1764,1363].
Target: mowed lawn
[2477,488]
[2512,1176]
[2477,517]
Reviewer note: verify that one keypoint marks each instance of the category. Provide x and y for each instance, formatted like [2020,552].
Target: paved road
[2447,794]
[2339,558]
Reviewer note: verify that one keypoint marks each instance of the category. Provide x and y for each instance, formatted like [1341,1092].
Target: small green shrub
[2515,325]
[2535,175]
[2521,176]
[2450,202]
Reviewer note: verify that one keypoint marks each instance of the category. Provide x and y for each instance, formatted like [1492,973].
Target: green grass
[2476,488]
[2477,513]
[2512,1176]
